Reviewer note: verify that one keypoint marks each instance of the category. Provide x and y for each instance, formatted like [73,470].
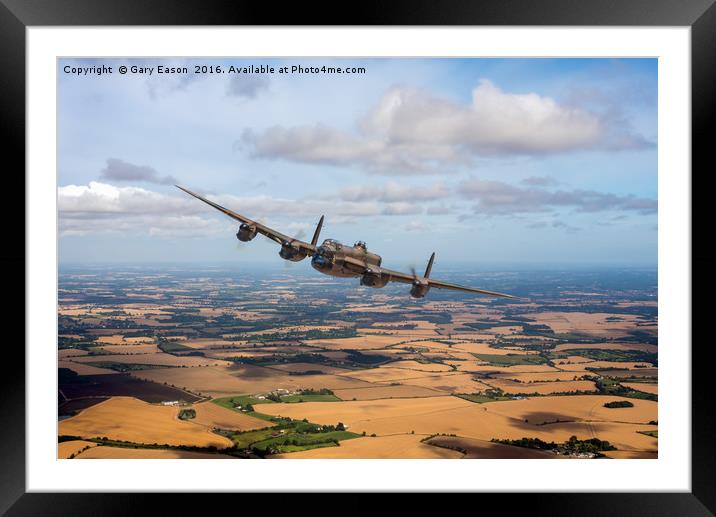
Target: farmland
[171,363]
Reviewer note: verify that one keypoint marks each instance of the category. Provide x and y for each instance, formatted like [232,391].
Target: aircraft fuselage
[336,259]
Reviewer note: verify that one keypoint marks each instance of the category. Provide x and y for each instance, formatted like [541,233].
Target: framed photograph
[433,250]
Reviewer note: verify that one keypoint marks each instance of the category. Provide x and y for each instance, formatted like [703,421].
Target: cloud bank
[119,170]
[412,132]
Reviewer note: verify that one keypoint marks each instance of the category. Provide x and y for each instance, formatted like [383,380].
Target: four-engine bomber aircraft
[336,259]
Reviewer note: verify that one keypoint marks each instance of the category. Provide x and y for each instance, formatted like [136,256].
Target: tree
[340,427]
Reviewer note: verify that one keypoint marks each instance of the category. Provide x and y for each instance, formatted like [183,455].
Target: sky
[484,161]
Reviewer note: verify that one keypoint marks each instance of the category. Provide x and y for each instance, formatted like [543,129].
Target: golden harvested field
[504,330]
[451,415]
[84,369]
[581,407]
[212,415]
[587,323]
[380,447]
[543,388]
[67,449]
[307,367]
[415,365]
[539,376]
[147,348]
[160,359]
[357,343]
[607,346]
[114,339]
[582,367]
[220,354]
[642,386]
[359,415]
[209,343]
[489,450]
[220,381]
[471,365]
[472,336]
[450,383]
[386,392]
[120,453]
[630,455]
[293,328]
[70,352]
[484,348]
[130,419]
[518,368]
[381,374]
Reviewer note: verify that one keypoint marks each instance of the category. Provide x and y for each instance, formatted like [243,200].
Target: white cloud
[393,191]
[412,131]
[100,207]
[119,170]
[496,197]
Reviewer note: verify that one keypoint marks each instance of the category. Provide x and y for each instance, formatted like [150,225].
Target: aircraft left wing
[272,234]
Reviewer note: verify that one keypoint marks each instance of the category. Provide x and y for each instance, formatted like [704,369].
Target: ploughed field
[151,366]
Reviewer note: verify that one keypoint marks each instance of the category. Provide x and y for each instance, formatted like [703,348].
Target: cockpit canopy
[331,244]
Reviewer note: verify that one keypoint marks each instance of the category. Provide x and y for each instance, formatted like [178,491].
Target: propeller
[417,280]
[415,275]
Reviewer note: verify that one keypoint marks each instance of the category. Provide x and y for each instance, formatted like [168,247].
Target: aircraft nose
[319,260]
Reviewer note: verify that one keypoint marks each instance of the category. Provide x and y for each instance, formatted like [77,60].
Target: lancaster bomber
[339,260]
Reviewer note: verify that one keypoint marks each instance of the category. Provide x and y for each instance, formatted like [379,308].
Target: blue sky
[486,161]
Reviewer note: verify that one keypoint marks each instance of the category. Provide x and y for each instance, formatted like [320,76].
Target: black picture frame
[17,15]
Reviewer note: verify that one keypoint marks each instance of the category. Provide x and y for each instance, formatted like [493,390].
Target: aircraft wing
[397,276]
[444,285]
[275,236]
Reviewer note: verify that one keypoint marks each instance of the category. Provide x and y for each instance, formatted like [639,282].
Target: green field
[170,347]
[310,398]
[510,359]
[289,436]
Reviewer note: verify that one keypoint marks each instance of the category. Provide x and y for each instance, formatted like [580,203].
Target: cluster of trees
[593,446]
[187,414]
[310,391]
[618,403]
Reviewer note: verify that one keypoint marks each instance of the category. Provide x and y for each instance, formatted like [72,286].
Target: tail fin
[430,265]
[314,241]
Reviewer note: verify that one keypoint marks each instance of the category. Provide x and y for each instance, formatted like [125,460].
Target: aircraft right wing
[272,234]
[444,285]
[397,276]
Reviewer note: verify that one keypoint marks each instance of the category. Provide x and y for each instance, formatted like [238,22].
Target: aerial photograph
[357,258]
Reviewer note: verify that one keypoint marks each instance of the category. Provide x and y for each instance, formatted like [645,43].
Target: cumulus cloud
[119,170]
[249,86]
[496,197]
[101,207]
[393,192]
[412,131]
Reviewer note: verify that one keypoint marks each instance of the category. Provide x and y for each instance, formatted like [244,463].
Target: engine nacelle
[291,253]
[246,232]
[419,290]
[373,279]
